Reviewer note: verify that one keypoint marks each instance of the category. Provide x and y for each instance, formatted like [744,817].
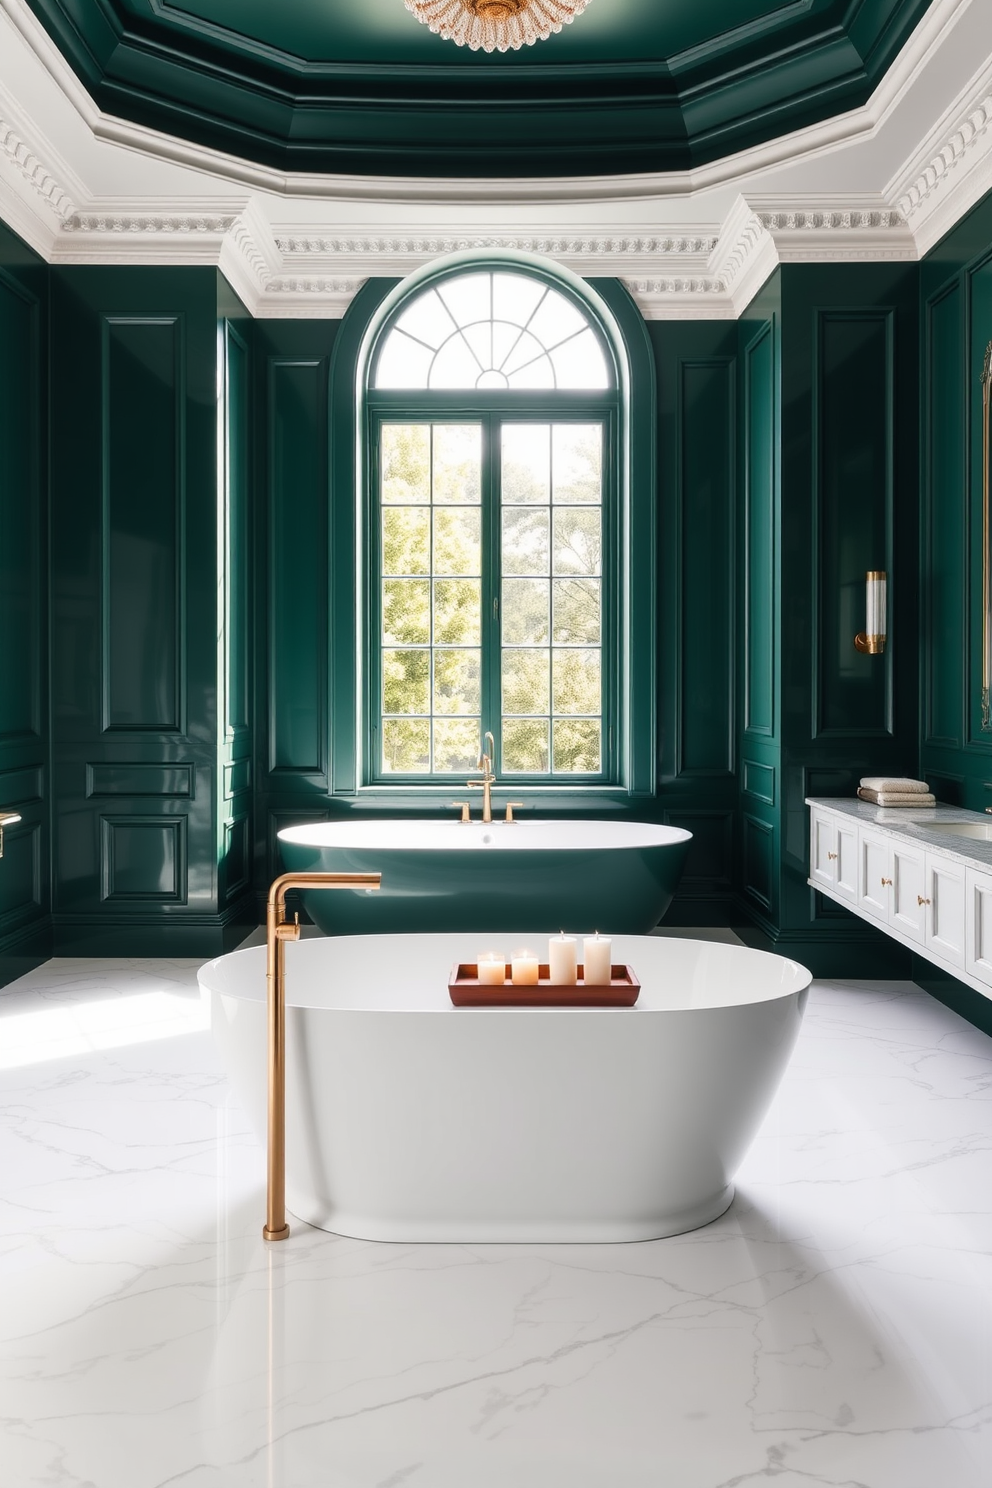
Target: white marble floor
[833,1328]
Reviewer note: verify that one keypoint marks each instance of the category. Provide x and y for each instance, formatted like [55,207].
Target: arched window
[494,528]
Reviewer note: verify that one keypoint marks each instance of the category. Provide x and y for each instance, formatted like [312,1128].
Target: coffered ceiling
[359,87]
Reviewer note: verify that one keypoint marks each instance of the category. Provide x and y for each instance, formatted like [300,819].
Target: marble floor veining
[833,1328]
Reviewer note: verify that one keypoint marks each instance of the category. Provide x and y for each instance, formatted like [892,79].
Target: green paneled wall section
[25,937]
[149,651]
[830,367]
[956,296]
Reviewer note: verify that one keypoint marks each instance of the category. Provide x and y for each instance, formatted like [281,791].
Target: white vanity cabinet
[936,903]
[833,854]
[944,907]
[891,880]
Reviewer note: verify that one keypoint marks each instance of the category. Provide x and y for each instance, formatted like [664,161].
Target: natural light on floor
[111,1023]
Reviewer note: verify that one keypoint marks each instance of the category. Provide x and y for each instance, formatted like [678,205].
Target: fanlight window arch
[492,330]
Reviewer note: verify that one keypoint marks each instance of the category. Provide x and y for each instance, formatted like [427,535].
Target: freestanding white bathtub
[411,1120]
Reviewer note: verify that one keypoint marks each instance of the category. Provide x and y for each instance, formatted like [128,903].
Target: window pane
[406,681]
[406,464]
[580,363]
[406,612]
[427,320]
[516,297]
[577,541]
[577,685]
[406,746]
[577,611]
[578,746]
[455,365]
[457,464]
[526,464]
[456,744]
[457,681]
[403,363]
[456,541]
[526,547]
[555,319]
[406,541]
[457,612]
[525,612]
[527,351]
[468,297]
[525,746]
[537,374]
[525,681]
[578,463]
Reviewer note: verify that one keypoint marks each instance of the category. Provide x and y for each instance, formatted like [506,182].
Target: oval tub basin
[410,1120]
[612,876]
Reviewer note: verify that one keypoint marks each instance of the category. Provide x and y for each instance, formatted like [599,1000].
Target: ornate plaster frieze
[556,245]
[676,297]
[138,224]
[34,172]
[307,298]
[952,169]
[832,233]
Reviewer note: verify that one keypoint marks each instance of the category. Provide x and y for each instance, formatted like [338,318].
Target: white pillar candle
[597,957]
[492,969]
[562,960]
[523,966]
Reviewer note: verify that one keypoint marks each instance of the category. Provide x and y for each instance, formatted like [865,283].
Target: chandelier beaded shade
[495,25]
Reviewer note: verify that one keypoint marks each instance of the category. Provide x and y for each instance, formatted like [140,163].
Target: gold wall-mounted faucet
[488,779]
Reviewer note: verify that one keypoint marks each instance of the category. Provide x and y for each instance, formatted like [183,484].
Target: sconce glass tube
[872,639]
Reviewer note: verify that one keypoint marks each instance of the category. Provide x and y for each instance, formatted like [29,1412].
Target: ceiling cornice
[310,266]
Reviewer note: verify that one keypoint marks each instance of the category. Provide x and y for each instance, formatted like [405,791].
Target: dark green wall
[956,298]
[25,937]
[151,706]
[829,475]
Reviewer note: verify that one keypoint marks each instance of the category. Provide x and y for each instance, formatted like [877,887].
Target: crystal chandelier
[495,25]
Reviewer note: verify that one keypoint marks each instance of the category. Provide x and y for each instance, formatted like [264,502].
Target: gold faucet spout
[278,931]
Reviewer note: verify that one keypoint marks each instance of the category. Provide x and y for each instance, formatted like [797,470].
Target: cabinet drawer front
[946,911]
[823,849]
[874,875]
[978,960]
[909,893]
[847,861]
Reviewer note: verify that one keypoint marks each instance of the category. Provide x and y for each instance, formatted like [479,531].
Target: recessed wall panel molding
[21,579]
[945,519]
[706,692]
[143,859]
[710,862]
[143,467]
[758,780]
[114,779]
[759,868]
[853,391]
[297,567]
[760,542]
[22,894]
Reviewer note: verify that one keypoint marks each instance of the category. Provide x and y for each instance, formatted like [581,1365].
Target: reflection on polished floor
[833,1328]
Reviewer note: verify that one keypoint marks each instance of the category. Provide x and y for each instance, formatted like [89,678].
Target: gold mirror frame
[986,554]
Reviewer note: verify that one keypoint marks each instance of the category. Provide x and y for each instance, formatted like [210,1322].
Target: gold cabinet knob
[831,857]
[921,901]
[886,883]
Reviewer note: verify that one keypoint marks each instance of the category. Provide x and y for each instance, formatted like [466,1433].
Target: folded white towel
[897,798]
[895,783]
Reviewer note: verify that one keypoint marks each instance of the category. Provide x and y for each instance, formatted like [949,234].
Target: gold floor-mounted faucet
[277,931]
[488,779]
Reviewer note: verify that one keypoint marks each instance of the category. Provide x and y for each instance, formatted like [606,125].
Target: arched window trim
[611,308]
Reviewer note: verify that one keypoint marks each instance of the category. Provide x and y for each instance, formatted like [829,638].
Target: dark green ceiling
[359,87]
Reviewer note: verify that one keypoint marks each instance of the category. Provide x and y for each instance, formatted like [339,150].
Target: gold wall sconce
[872,639]
[7,819]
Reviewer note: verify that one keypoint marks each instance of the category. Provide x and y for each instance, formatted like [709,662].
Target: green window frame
[353,403]
[492,410]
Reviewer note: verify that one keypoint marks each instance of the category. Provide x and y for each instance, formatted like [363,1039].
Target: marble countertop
[910,824]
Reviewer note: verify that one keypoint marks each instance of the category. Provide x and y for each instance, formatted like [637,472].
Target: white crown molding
[952,168]
[708,267]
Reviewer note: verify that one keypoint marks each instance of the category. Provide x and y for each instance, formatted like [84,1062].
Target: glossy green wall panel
[24,776]
[298,578]
[142,521]
[138,491]
[945,532]
[760,526]
[853,400]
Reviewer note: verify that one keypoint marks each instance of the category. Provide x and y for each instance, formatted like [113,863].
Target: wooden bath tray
[466,990]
